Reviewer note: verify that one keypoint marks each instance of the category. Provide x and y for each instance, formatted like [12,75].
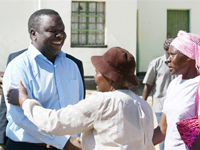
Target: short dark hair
[35,20]
[167,43]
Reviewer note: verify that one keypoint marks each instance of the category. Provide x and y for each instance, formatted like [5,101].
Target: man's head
[47,33]
[167,43]
[35,21]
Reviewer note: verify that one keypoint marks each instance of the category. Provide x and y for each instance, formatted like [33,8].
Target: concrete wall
[14,36]
[120,27]
[152,26]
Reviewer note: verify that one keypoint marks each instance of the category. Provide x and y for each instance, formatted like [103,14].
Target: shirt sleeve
[72,119]
[150,74]
[16,116]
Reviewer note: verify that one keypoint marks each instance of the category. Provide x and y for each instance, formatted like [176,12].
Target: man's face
[50,35]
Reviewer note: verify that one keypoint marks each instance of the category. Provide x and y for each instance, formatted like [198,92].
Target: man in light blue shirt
[49,76]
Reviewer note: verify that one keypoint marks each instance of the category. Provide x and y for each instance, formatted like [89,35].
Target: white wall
[120,31]
[152,26]
[120,27]
[14,36]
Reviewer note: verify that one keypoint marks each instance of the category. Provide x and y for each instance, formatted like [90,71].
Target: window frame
[87,32]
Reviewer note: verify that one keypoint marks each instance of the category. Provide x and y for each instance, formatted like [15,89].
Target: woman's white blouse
[179,104]
[118,120]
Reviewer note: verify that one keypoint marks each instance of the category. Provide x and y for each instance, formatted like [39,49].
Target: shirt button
[61,98]
[40,138]
[58,82]
[57,146]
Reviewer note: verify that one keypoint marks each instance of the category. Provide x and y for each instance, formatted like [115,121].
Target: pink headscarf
[189,45]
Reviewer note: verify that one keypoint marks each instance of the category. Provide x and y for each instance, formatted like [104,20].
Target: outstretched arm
[160,131]
[75,118]
[18,96]
[146,91]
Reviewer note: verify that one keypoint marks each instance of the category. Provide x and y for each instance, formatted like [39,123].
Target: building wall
[14,35]
[120,27]
[152,26]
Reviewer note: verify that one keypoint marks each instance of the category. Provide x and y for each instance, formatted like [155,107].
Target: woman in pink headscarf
[180,100]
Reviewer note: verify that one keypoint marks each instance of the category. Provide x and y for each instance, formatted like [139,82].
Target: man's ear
[33,34]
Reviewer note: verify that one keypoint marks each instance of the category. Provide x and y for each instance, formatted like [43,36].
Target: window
[88,24]
[177,20]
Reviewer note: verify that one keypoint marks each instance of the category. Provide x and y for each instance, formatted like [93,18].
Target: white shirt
[118,120]
[179,105]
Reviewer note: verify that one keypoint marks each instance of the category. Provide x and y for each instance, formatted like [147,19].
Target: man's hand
[1,148]
[17,96]
[73,144]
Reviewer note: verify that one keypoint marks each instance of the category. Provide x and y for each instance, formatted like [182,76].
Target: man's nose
[60,34]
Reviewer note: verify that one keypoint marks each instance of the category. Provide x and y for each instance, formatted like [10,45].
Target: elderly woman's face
[177,62]
[103,84]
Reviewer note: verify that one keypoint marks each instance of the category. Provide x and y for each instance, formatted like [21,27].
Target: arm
[160,130]
[18,96]
[12,75]
[79,117]
[149,79]
[146,91]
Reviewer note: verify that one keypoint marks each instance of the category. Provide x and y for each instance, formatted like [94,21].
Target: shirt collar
[34,52]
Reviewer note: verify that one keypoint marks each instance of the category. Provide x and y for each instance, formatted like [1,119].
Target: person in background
[183,61]
[156,81]
[49,76]
[113,118]
[3,109]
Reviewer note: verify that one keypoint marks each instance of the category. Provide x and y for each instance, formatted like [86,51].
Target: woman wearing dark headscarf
[114,118]
[184,61]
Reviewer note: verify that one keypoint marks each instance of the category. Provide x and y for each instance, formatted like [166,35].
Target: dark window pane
[82,7]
